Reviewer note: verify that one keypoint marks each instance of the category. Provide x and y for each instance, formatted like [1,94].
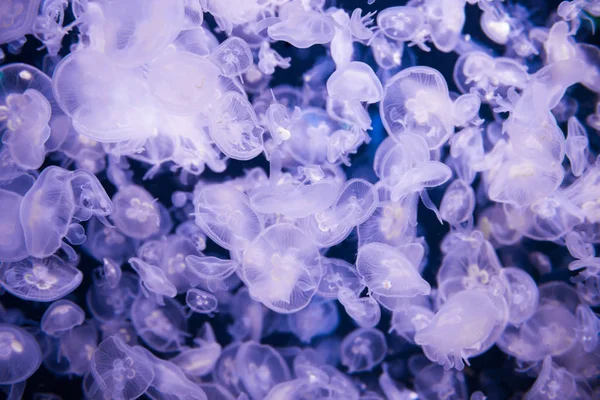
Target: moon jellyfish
[226,216]
[552,383]
[338,274]
[363,349]
[260,368]
[233,56]
[120,371]
[234,127]
[365,311]
[365,86]
[390,272]
[62,316]
[18,17]
[36,279]
[20,354]
[136,213]
[162,327]
[282,268]
[458,329]
[201,302]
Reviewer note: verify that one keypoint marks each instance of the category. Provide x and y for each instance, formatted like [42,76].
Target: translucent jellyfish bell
[302,28]
[18,19]
[338,274]
[447,24]
[201,301]
[153,278]
[233,56]
[234,127]
[365,311]
[136,33]
[20,354]
[162,327]
[416,100]
[524,294]
[183,82]
[365,85]
[458,203]
[363,349]
[107,103]
[588,327]
[552,383]
[282,268]
[12,239]
[390,272]
[317,319]
[36,279]
[260,368]
[400,23]
[226,216]
[120,371]
[24,120]
[61,316]
[136,213]
[460,326]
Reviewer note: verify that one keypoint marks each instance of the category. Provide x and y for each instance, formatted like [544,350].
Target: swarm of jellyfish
[299,199]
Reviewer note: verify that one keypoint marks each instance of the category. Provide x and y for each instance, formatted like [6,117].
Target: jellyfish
[12,239]
[458,203]
[365,311]
[224,372]
[260,368]
[317,319]
[153,279]
[183,81]
[24,120]
[61,317]
[162,327]
[460,326]
[363,349]
[552,383]
[199,361]
[78,346]
[391,272]
[45,280]
[106,302]
[233,56]
[282,268]
[17,19]
[588,327]
[234,127]
[20,354]
[401,23]
[316,27]
[365,87]
[416,100]
[121,372]
[338,274]
[226,216]
[524,294]
[201,302]
[356,202]
[136,213]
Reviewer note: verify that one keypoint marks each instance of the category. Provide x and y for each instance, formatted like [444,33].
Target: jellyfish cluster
[299,199]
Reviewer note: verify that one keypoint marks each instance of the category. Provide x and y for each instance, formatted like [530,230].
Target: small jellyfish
[338,274]
[61,317]
[390,272]
[588,327]
[224,372]
[524,294]
[182,82]
[235,129]
[36,279]
[282,268]
[198,361]
[20,354]
[458,203]
[552,383]
[461,325]
[363,349]
[260,368]
[226,216]
[365,86]
[316,319]
[233,56]
[106,302]
[24,120]
[12,239]
[201,302]
[302,28]
[136,213]
[365,311]
[162,327]
[153,278]
[576,146]
[78,346]
[120,371]
[401,23]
